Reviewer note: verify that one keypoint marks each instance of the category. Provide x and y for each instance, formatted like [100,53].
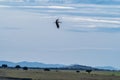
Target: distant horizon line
[60,63]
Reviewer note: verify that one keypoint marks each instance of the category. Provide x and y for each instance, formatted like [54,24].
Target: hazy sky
[31,35]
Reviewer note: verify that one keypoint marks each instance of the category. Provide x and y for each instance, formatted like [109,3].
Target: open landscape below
[39,74]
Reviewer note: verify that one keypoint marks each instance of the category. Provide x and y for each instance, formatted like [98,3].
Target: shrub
[89,71]
[25,68]
[77,71]
[46,69]
[4,65]
[17,66]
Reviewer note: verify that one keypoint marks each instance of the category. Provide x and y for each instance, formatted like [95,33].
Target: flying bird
[57,23]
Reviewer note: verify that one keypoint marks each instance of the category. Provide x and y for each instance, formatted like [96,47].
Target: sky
[89,34]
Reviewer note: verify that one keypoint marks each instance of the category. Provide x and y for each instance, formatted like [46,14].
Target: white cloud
[54,7]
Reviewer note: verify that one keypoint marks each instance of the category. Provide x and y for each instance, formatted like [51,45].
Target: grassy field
[36,74]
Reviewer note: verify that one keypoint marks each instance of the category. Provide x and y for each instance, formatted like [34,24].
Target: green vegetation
[39,74]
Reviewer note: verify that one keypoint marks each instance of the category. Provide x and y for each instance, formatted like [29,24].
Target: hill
[43,65]
[106,67]
[31,64]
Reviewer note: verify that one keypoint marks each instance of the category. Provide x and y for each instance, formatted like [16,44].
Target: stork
[57,23]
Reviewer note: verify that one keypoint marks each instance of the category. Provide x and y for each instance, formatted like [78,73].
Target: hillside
[43,65]
[31,64]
